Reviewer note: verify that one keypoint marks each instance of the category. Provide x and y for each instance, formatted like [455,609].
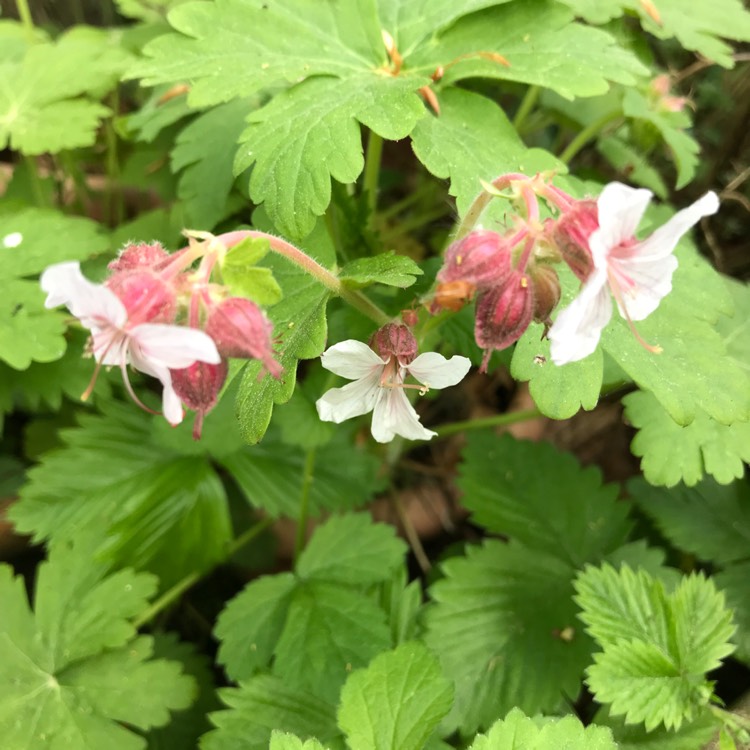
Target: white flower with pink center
[637,273]
[379,387]
[121,336]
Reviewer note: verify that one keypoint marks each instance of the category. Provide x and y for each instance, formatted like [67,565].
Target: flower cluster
[157,314]
[514,279]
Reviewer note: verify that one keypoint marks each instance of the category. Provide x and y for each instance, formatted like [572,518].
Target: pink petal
[171,346]
[394,415]
[351,359]
[576,330]
[435,371]
[620,210]
[352,400]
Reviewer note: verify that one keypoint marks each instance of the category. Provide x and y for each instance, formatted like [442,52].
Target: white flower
[152,348]
[379,387]
[638,272]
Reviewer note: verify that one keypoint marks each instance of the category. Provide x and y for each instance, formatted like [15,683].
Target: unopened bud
[241,330]
[546,287]
[198,387]
[503,314]
[139,257]
[571,233]
[394,340]
[147,297]
[481,258]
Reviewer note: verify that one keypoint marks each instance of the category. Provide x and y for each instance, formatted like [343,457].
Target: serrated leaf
[150,11]
[351,549]
[631,164]
[504,626]
[536,53]
[264,704]
[709,520]
[245,278]
[519,732]
[673,453]
[470,141]
[506,486]
[386,268]
[204,152]
[733,581]
[74,670]
[657,647]
[29,332]
[284,741]
[397,702]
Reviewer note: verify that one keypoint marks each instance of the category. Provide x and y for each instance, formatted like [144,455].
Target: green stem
[587,134]
[372,171]
[173,594]
[24,14]
[414,222]
[114,203]
[304,503]
[498,420]
[527,104]
[408,200]
[36,182]
[334,232]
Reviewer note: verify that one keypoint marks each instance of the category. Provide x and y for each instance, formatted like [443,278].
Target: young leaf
[386,268]
[397,702]
[264,704]
[519,732]
[73,669]
[657,647]
[27,241]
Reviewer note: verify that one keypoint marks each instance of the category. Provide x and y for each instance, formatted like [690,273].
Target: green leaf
[473,140]
[733,581]
[309,134]
[353,550]
[519,732]
[504,625]
[29,332]
[300,320]
[505,483]
[151,11]
[73,670]
[709,520]
[386,268]
[161,509]
[537,53]
[631,164]
[283,741]
[245,278]
[672,453]
[264,704]
[657,647]
[205,154]
[397,702]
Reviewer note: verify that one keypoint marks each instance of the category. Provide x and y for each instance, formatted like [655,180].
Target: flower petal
[351,359]
[652,282]
[576,330]
[664,240]
[93,304]
[435,371]
[620,210]
[394,415]
[171,346]
[170,402]
[352,400]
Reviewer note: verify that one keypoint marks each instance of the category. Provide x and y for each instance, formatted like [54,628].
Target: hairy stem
[304,503]
[173,594]
[587,134]
[498,420]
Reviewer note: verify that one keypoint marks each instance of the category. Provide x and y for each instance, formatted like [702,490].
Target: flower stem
[527,104]
[36,181]
[372,172]
[587,134]
[24,13]
[173,594]
[498,420]
[304,503]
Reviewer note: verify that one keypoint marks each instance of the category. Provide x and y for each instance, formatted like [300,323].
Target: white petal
[354,399]
[351,359]
[576,330]
[653,282]
[620,209]
[394,415]
[172,346]
[170,404]
[93,304]
[436,371]
[664,240]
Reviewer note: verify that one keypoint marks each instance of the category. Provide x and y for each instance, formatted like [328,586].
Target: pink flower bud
[198,387]
[571,232]
[481,258]
[546,288]
[147,297]
[241,330]
[393,340]
[139,256]
[503,314]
